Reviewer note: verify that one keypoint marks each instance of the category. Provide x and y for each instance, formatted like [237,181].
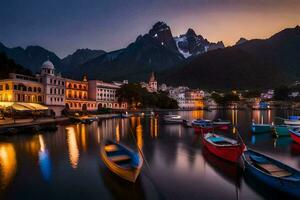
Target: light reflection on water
[68,160]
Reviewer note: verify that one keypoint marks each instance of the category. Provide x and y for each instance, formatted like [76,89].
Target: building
[191,99]
[77,95]
[151,86]
[105,94]
[54,87]
[21,88]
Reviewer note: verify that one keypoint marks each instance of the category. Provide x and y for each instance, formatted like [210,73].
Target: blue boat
[121,160]
[202,123]
[282,130]
[261,128]
[272,173]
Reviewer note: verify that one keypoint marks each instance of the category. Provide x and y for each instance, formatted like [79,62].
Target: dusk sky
[63,26]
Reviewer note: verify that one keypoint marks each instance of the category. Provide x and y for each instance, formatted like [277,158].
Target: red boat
[295,134]
[225,148]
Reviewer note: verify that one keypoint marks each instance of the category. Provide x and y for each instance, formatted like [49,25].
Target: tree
[281,93]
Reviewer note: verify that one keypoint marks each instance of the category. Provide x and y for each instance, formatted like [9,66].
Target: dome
[48,65]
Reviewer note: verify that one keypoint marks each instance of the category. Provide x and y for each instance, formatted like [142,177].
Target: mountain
[154,51]
[241,41]
[81,56]
[9,66]
[162,32]
[191,44]
[255,63]
[32,57]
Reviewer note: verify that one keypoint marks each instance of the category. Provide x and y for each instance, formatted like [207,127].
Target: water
[66,164]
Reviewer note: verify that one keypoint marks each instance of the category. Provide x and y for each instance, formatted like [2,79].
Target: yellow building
[77,95]
[21,88]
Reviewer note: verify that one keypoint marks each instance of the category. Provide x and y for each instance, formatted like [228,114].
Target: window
[1,87]
[6,87]
[34,89]
[54,81]
[29,89]
[15,87]
[62,83]
[79,86]
[69,85]
[61,99]
[51,99]
[51,91]
[62,91]
[40,90]
[51,81]
[24,88]
[39,98]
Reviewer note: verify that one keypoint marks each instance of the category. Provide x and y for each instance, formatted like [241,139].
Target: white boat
[292,121]
[221,122]
[174,119]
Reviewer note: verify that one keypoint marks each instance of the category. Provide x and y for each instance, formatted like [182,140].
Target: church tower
[152,83]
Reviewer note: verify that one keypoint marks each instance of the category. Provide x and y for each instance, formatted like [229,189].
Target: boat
[261,128]
[126,115]
[272,172]
[223,147]
[281,130]
[203,125]
[221,124]
[187,124]
[292,121]
[172,119]
[295,134]
[121,160]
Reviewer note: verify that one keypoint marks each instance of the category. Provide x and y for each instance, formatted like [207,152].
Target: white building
[105,94]
[54,87]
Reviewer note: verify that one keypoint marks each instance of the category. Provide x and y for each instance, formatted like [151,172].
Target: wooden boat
[281,130]
[272,172]
[223,147]
[121,160]
[203,125]
[172,119]
[261,128]
[292,121]
[295,134]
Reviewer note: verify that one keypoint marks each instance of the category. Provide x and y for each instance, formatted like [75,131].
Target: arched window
[80,86]
[75,86]
[6,87]
[51,91]
[34,89]
[69,85]
[29,89]
[24,88]
[39,90]
[39,98]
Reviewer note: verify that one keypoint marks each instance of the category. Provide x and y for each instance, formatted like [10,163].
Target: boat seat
[274,170]
[111,148]
[119,158]
[258,159]
[215,139]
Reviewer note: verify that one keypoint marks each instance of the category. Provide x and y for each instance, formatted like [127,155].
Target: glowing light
[73,147]
[8,164]
[118,133]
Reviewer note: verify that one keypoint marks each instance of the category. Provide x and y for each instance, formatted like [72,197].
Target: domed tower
[152,83]
[47,68]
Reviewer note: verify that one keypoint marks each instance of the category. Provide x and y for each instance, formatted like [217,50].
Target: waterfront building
[77,95]
[21,88]
[54,87]
[151,86]
[104,94]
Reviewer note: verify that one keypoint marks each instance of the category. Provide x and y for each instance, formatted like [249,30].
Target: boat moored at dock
[261,128]
[172,119]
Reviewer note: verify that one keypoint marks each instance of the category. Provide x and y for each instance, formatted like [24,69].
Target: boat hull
[289,187]
[295,137]
[281,131]
[258,128]
[292,122]
[127,174]
[229,153]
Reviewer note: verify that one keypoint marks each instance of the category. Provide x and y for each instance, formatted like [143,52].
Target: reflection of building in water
[44,160]
[262,116]
[117,133]
[8,164]
[197,114]
[73,147]
[153,127]
[83,137]
[139,134]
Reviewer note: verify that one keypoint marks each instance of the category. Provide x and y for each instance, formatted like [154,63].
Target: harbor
[66,163]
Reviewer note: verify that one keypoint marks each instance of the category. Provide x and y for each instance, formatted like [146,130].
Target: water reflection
[139,134]
[44,160]
[8,164]
[73,147]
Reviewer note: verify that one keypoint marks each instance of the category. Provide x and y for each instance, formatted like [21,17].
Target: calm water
[66,164]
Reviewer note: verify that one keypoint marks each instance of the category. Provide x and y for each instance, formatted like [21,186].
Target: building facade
[105,94]
[54,87]
[21,88]
[77,95]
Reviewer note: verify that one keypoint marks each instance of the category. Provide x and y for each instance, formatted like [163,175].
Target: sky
[63,26]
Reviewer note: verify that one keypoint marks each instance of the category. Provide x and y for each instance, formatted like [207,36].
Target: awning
[23,106]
